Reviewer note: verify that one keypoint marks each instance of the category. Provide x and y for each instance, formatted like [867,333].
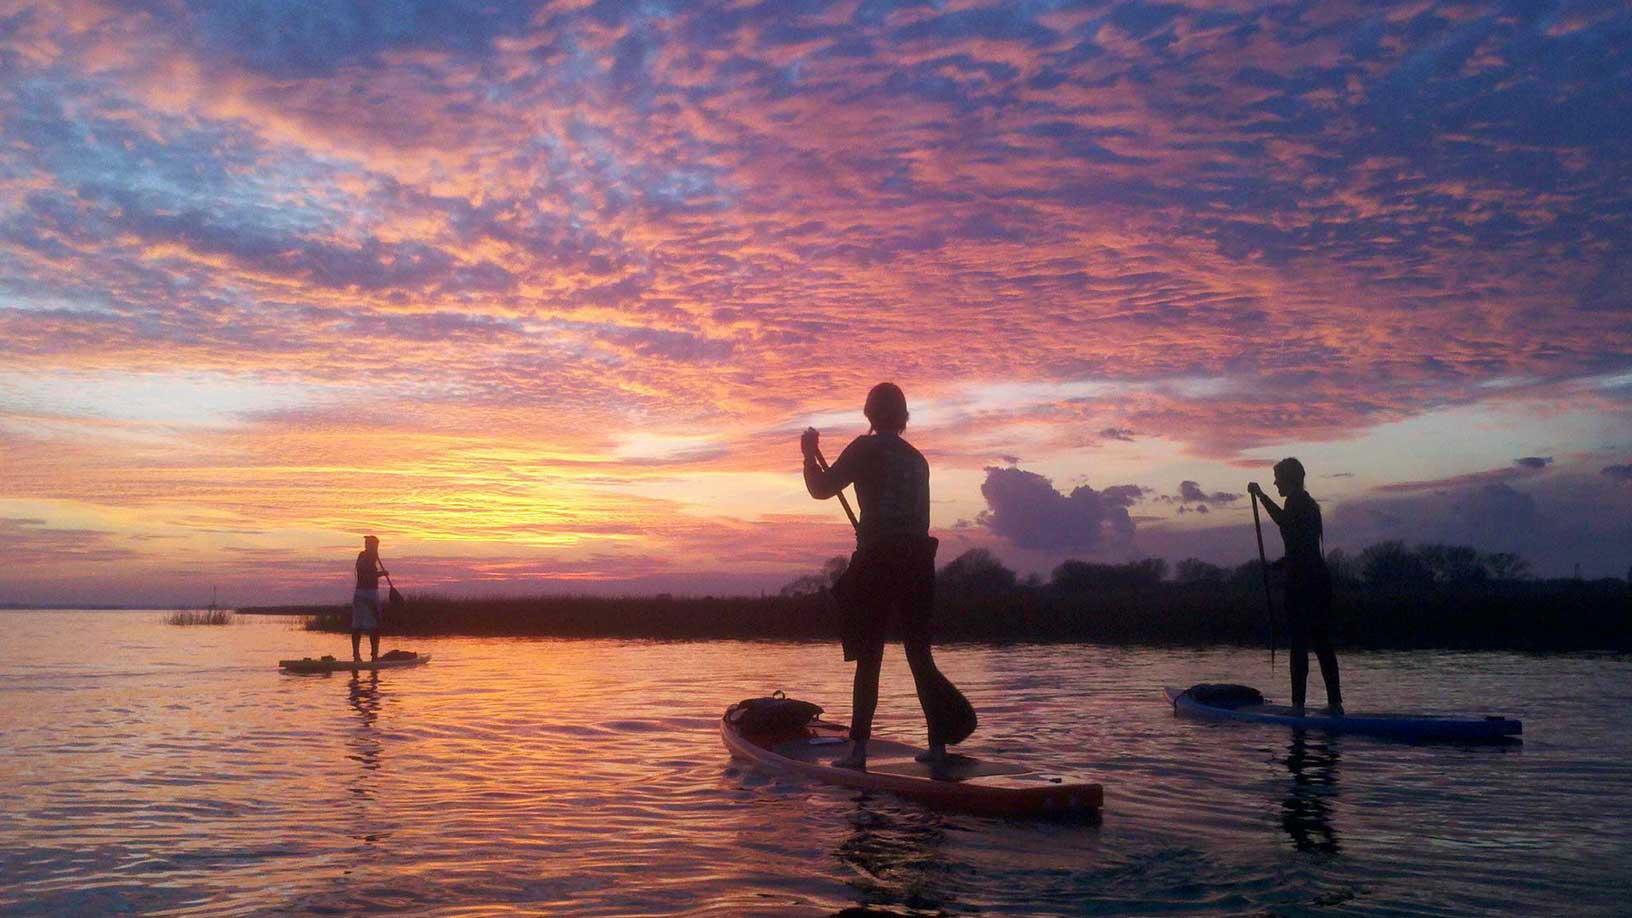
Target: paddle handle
[1263,565]
[821,463]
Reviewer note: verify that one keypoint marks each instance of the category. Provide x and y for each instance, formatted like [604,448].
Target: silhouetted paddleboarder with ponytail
[1308,583]
[892,573]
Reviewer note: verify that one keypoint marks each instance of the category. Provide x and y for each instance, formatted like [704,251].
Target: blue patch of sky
[875,12]
[30,297]
[173,165]
[626,179]
[316,37]
[1001,22]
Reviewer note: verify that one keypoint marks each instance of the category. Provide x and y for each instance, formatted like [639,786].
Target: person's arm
[1275,513]
[823,485]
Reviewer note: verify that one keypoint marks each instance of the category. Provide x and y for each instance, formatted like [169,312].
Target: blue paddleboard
[1397,726]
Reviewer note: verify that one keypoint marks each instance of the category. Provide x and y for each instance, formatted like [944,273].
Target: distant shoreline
[86,608]
[1552,615]
[78,607]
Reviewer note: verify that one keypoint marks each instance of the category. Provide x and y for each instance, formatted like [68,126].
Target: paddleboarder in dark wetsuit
[1308,583]
[892,573]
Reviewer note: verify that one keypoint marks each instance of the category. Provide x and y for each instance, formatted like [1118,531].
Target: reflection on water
[1306,813]
[149,768]
[895,856]
[364,693]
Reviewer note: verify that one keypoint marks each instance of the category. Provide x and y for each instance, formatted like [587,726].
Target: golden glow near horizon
[544,297]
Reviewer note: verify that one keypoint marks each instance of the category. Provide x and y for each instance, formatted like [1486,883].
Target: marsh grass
[1553,615]
[199,617]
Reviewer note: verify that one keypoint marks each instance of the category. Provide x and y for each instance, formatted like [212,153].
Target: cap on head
[886,407]
[1290,470]
[371,540]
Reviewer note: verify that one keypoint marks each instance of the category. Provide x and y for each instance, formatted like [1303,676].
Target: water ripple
[587,777]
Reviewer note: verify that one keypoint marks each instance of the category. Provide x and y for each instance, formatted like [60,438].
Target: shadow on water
[1306,812]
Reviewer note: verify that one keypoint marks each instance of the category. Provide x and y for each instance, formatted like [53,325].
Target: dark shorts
[1309,595]
[889,583]
[1302,633]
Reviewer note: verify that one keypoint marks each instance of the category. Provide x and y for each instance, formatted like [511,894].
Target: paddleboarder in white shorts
[365,600]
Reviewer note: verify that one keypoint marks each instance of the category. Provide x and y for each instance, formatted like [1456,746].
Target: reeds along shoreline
[200,617]
[1551,615]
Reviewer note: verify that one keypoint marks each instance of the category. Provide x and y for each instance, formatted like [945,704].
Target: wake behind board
[963,783]
[331,664]
[1419,727]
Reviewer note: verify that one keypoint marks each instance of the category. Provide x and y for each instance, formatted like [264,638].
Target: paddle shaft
[1263,564]
[387,583]
[822,464]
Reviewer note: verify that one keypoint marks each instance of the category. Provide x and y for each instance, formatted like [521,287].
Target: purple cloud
[1191,493]
[28,542]
[1556,522]
[1024,508]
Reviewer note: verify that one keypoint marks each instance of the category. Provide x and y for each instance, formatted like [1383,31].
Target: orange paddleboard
[962,783]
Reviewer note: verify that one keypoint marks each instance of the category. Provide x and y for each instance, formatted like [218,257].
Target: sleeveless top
[368,571]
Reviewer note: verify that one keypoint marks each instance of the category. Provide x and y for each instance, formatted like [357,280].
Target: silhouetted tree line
[1389,595]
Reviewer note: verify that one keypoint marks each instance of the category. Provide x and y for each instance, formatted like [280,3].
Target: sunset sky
[544,295]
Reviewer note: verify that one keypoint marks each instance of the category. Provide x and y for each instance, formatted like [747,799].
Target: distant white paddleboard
[1398,726]
[332,664]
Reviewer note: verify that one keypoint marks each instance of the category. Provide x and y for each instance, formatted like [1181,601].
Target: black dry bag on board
[1225,695]
[775,714]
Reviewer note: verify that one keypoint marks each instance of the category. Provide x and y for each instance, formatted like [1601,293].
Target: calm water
[146,767]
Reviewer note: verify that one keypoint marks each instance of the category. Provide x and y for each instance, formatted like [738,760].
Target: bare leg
[356,641]
[1299,652]
[1322,639]
[925,679]
[863,703]
[373,645]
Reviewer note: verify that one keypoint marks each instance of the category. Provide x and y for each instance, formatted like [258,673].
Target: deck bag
[1225,695]
[398,655]
[776,713]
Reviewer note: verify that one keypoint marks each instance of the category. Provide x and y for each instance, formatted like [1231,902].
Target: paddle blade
[952,717]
